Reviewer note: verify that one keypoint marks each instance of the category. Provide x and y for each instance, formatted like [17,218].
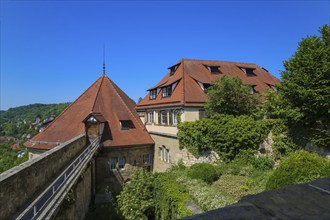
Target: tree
[230,96]
[305,86]
[136,199]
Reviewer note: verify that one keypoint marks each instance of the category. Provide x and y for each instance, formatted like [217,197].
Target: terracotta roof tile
[109,103]
[191,72]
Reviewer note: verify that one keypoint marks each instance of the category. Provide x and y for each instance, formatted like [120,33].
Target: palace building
[180,95]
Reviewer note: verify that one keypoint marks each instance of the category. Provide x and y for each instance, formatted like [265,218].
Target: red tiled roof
[103,98]
[190,72]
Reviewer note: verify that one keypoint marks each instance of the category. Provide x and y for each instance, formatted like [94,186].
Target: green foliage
[177,167]
[246,163]
[12,121]
[305,87]
[235,186]
[248,157]
[283,137]
[225,134]
[170,197]
[263,163]
[203,171]
[207,197]
[136,199]
[230,96]
[300,167]
[8,157]
[275,107]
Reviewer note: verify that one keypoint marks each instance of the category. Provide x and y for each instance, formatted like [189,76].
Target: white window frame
[121,162]
[153,94]
[174,117]
[164,154]
[146,159]
[163,118]
[166,91]
[151,118]
[168,156]
[117,163]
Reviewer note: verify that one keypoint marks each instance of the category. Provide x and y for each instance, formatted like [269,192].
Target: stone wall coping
[8,173]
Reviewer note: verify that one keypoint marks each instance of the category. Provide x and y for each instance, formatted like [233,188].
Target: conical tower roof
[102,97]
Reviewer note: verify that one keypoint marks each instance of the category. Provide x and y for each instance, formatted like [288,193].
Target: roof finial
[103,59]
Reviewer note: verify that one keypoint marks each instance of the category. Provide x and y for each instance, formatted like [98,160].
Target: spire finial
[103,59]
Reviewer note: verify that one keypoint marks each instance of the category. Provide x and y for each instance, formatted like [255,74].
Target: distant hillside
[16,121]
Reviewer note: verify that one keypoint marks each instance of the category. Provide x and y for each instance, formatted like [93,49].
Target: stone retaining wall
[19,185]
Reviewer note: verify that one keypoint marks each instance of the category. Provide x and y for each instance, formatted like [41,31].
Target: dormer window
[248,71]
[126,124]
[173,69]
[91,119]
[204,86]
[272,87]
[214,69]
[153,94]
[167,91]
[253,90]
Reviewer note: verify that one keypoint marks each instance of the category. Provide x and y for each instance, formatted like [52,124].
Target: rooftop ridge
[121,99]
[225,61]
[98,91]
[66,109]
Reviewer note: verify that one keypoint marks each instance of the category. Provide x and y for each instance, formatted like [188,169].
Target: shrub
[205,196]
[299,167]
[204,171]
[262,163]
[236,186]
[170,197]
[136,199]
[246,163]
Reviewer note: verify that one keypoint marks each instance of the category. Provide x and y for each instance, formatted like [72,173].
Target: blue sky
[51,51]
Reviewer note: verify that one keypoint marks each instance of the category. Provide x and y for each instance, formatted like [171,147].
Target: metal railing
[46,204]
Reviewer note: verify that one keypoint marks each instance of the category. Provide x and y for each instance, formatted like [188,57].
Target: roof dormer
[126,124]
[94,125]
[173,69]
[253,90]
[213,69]
[248,71]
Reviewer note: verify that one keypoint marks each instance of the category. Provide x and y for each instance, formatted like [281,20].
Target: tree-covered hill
[16,121]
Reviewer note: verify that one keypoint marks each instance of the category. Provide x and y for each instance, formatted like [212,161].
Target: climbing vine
[225,134]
